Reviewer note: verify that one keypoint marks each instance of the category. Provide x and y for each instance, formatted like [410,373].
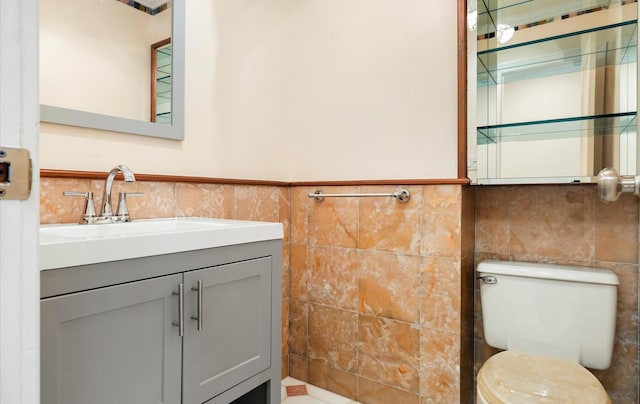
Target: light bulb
[505,32]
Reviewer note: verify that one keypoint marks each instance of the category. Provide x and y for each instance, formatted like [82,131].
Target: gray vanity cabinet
[233,343]
[112,345]
[109,331]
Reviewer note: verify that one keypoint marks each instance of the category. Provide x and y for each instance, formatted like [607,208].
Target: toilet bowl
[512,377]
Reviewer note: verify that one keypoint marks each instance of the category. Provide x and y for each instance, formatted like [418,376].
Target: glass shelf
[518,12]
[553,129]
[163,118]
[164,69]
[163,87]
[163,96]
[608,45]
[164,53]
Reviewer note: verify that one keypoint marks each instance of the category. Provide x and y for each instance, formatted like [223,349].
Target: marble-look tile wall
[379,291]
[567,224]
[373,309]
[168,199]
[375,295]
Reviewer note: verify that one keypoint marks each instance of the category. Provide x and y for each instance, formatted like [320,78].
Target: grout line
[307,271]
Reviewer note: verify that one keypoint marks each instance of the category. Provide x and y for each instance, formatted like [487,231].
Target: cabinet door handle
[180,323]
[198,318]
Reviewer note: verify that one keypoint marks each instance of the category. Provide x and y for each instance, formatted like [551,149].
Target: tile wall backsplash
[372,304]
[378,301]
[567,224]
[375,300]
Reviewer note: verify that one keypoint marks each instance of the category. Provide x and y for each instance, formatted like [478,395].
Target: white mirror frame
[175,130]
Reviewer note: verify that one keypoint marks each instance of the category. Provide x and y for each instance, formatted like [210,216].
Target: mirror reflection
[556,89]
[95,55]
[161,81]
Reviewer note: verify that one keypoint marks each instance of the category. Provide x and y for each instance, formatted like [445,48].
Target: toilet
[552,321]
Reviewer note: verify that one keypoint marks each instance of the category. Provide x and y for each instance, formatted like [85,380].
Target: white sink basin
[73,244]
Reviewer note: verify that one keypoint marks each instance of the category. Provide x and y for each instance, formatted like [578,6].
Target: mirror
[96,64]
[555,90]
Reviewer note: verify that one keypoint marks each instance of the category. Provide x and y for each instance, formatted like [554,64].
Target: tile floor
[315,395]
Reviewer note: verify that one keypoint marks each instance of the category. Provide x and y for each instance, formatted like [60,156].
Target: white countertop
[69,245]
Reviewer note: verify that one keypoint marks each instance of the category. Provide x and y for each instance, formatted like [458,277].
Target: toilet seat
[512,377]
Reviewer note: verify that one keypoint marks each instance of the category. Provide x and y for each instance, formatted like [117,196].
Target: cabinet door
[234,342]
[112,345]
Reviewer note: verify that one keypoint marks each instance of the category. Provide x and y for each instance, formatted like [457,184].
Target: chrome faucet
[107,210]
[106,215]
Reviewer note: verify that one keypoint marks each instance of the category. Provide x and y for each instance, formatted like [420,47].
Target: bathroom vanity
[195,318]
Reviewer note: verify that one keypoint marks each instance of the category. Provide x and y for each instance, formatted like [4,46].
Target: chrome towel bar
[402,195]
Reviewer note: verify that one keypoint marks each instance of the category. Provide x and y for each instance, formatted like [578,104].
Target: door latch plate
[15,174]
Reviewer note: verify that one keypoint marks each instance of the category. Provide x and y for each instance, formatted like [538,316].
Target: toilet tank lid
[548,271]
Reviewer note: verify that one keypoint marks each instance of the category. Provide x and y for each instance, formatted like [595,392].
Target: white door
[19,220]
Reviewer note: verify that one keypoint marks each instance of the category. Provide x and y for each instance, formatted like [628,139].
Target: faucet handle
[122,210]
[89,211]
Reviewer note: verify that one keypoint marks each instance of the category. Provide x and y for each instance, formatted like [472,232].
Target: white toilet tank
[563,312]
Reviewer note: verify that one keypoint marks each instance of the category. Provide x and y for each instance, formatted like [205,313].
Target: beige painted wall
[299,90]
[373,90]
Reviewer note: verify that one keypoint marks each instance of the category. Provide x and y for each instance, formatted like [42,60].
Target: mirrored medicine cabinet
[113,65]
[552,90]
